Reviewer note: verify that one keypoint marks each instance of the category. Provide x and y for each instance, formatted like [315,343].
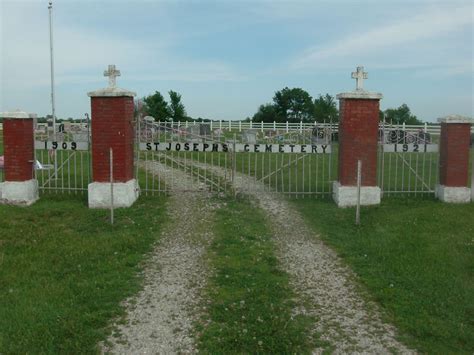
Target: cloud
[388,38]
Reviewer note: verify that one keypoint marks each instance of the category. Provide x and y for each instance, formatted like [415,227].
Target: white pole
[53,107]
[53,98]
[359,178]
[240,126]
[111,186]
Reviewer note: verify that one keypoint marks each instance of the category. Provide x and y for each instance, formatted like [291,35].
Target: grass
[251,302]
[416,259]
[65,269]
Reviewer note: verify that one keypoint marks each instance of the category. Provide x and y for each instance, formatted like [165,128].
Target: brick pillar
[20,186]
[454,160]
[358,132]
[112,127]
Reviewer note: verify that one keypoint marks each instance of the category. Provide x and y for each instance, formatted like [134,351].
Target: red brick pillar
[358,132]
[20,186]
[112,127]
[454,160]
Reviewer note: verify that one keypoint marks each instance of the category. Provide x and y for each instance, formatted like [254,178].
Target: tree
[266,113]
[156,106]
[401,115]
[293,105]
[325,109]
[176,108]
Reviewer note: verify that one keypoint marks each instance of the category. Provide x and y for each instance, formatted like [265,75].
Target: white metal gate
[63,160]
[296,163]
[408,161]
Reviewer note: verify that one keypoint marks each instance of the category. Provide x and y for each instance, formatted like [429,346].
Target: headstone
[249,137]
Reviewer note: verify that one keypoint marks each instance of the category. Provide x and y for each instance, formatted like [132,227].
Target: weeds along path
[160,319]
[327,289]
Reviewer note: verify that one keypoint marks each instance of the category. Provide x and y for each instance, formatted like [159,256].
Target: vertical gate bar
[248,160]
[416,175]
[68,187]
[296,175]
[49,171]
[289,175]
[309,173]
[147,171]
[423,172]
[255,160]
[75,173]
[281,173]
[403,171]
[303,188]
[317,173]
[409,173]
[324,182]
[396,187]
[62,170]
[82,170]
[42,171]
[389,172]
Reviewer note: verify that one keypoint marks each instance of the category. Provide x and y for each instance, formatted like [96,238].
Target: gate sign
[410,148]
[239,147]
[53,145]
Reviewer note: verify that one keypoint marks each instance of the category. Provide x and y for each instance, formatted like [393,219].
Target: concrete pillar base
[125,194]
[346,196]
[453,194]
[21,193]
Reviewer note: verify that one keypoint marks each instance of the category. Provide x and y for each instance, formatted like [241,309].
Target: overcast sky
[228,57]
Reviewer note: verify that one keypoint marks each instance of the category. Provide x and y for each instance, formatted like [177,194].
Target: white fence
[292,126]
[287,126]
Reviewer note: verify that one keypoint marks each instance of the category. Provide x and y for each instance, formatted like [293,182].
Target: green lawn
[65,269]
[416,259]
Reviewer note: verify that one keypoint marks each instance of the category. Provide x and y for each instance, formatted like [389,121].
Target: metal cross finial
[359,76]
[112,73]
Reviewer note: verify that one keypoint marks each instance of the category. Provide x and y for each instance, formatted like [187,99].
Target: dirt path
[161,317]
[327,288]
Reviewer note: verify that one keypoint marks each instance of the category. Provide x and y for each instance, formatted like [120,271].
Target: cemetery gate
[63,160]
[408,161]
[297,163]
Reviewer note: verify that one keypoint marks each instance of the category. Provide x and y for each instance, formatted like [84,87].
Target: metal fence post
[359,177]
[111,186]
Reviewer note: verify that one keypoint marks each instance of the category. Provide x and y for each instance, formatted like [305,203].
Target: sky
[228,57]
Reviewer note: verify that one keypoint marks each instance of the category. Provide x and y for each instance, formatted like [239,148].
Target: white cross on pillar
[359,76]
[112,73]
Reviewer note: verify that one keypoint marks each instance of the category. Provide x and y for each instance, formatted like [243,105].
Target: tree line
[289,104]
